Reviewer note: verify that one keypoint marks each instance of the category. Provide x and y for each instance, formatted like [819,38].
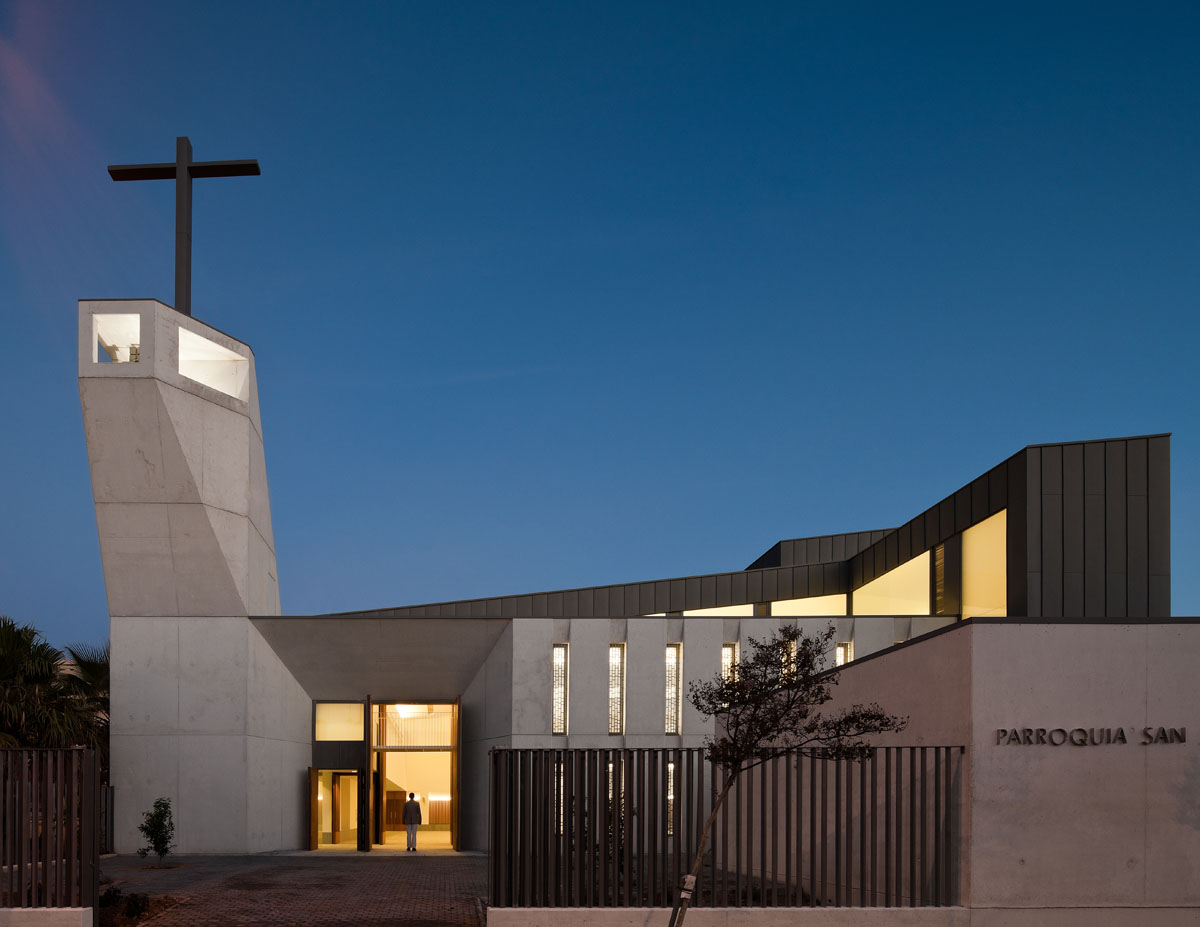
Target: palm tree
[44,702]
[87,672]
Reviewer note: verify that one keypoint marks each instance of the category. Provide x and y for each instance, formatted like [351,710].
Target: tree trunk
[685,900]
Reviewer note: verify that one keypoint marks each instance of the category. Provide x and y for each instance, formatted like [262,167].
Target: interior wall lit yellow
[985,567]
[339,721]
[337,808]
[728,611]
[813,605]
[902,591]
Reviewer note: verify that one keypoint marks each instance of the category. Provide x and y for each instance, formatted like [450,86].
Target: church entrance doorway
[415,749]
[335,817]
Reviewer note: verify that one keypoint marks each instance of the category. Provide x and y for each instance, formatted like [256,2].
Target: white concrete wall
[487,722]
[45,917]
[645,639]
[730,917]
[843,917]
[203,711]
[1061,835]
[1069,826]
[588,639]
[278,751]
[205,714]
[178,477]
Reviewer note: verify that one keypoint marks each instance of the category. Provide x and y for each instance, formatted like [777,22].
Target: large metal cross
[182,172]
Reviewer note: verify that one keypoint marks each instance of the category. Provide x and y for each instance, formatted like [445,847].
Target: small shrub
[136,904]
[110,897]
[159,830]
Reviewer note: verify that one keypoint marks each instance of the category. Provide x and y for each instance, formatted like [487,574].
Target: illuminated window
[616,689]
[674,693]
[789,660]
[413,726]
[985,567]
[559,688]
[939,580]
[729,658]
[727,611]
[213,365]
[117,338]
[338,721]
[902,591]
[823,605]
[845,652]
[670,799]
[560,795]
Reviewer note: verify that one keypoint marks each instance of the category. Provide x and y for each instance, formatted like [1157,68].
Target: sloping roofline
[813,569]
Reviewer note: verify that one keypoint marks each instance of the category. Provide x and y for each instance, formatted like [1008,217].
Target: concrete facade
[1079,822]
[213,689]
[46,917]
[203,710]
[731,917]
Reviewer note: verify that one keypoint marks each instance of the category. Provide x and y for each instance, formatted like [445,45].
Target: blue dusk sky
[561,294]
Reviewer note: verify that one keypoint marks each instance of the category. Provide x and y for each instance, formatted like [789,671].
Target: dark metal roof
[824,565]
[825,548]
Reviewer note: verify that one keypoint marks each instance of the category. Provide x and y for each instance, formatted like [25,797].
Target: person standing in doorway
[411,818]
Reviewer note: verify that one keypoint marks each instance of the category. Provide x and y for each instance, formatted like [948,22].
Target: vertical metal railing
[49,828]
[619,828]
[107,818]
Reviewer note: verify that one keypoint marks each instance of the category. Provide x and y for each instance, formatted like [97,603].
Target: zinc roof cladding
[824,548]
[632,599]
[792,568]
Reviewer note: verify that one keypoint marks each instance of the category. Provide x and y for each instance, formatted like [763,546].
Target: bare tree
[767,706]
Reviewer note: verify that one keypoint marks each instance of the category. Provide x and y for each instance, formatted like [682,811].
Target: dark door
[314,812]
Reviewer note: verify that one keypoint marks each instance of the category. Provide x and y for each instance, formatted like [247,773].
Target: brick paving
[311,890]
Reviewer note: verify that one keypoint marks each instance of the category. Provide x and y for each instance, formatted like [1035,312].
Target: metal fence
[618,828]
[107,819]
[49,838]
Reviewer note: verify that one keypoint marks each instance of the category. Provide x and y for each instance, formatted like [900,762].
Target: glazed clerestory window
[674,688]
[729,658]
[559,670]
[616,689]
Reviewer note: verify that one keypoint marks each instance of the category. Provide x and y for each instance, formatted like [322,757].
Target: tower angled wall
[203,711]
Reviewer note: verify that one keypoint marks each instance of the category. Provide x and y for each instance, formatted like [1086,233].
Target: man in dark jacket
[411,818]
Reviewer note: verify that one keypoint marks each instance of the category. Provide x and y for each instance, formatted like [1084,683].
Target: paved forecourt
[330,890]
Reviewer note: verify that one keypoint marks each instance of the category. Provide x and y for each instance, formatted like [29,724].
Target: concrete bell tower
[203,711]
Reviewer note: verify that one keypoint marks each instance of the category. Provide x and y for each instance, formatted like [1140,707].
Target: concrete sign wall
[1084,767]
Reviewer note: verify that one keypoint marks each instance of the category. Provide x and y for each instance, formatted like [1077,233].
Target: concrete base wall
[1085,917]
[1089,813]
[205,713]
[730,917]
[45,917]
[848,917]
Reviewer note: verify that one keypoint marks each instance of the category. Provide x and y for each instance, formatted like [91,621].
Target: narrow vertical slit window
[616,689]
[845,652]
[560,793]
[939,580]
[559,684]
[729,659]
[674,691]
[670,799]
[789,660]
